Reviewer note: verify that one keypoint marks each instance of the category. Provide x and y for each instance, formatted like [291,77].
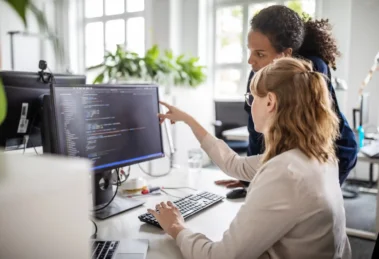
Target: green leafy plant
[21,7]
[156,66]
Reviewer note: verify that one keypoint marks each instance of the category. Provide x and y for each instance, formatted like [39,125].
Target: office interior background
[212,30]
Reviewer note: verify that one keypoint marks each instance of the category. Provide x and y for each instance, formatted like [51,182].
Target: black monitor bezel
[118,86]
[28,81]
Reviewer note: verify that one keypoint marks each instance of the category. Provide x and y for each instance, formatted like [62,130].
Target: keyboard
[103,249]
[188,206]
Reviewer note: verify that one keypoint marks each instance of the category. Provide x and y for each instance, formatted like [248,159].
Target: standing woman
[277,31]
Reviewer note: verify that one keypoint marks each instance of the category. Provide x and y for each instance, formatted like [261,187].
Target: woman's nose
[250,60]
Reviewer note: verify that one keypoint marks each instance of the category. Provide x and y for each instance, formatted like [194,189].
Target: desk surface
[241,134]
[212,222]
[364,158]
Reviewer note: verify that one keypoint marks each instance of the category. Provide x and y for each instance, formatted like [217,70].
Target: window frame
[122,16]
[243,65]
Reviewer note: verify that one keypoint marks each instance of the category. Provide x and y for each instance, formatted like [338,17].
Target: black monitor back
[24,92]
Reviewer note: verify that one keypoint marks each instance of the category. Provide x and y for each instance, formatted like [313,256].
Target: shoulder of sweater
[319,64]
[287,158]
[297,165]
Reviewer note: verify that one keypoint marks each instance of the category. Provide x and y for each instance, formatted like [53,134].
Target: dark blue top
[346,144]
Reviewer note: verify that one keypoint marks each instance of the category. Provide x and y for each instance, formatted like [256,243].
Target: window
[231,22]
[109,23]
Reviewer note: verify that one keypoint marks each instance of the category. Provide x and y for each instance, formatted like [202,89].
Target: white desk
[212,222]
[242,134]
[361,233]
[239,134]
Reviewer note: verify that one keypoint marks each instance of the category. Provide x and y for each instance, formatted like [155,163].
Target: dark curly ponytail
[318,41]
[307,37]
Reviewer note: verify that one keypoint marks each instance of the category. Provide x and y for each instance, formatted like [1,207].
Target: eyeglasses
[249,99]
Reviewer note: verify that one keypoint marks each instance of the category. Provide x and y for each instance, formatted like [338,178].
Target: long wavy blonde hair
[304,116]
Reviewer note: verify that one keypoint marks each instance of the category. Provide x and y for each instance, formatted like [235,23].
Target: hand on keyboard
[169,218]
[187,206]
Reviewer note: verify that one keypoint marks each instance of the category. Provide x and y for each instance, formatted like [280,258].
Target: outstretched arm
[174,114]
[243,168]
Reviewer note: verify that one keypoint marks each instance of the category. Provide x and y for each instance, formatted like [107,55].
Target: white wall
[356,25]
[9,21]
[27,50]
[160,27]
[176,26]
[363,48]
[339,14]
[364,45]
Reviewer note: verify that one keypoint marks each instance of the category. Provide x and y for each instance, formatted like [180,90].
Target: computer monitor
[112,125]
[362,111]
[364,114]
[24,92]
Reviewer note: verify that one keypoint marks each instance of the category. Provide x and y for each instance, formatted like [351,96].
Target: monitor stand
[103,192]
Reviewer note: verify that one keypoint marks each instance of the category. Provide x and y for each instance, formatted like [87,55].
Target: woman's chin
[257,129]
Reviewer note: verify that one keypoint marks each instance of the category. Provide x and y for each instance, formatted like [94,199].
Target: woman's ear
[288,52]
[271,102]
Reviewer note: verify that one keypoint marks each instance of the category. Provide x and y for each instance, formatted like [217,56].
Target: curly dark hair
[307,37]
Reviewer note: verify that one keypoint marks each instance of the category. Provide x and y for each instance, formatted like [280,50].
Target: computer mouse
[236,193]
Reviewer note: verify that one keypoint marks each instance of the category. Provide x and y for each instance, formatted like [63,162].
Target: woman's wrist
[175,230]
[196,128]
[188,119]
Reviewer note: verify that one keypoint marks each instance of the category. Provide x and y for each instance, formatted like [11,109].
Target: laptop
[45,205]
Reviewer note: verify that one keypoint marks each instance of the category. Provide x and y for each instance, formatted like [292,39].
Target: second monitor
[24,92]
[114,126]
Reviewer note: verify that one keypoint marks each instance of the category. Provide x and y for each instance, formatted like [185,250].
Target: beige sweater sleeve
[242,168]
[270,211]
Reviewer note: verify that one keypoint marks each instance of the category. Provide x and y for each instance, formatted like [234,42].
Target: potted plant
[21,7]
[163,68]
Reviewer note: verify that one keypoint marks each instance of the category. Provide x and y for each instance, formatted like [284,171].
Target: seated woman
[295,208]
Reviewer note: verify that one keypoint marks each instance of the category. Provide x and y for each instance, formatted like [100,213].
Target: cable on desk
[27,135]
[94,236]
[25,140]
[52,76]
[115,193]
[180,187]
[169,194]
[126,176]
[175,188]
